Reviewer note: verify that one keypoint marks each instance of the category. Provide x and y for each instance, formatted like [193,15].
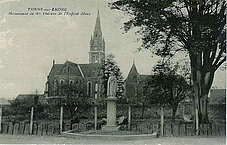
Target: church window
[71,82]
[89,88]
[97,58]
[62,82]
[96,90]
[93,58]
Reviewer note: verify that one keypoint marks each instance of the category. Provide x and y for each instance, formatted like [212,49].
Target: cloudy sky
[28,44]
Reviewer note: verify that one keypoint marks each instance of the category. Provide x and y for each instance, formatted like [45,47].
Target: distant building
[217,104]
[33,98]
[87,75]
[217,97]
[133,80]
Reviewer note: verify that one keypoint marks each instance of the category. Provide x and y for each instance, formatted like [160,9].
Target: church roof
[90,70]
[133,73]
[55,69]
[135,76]
[73,69]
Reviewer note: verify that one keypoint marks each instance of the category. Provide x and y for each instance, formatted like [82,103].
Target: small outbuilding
[3,102]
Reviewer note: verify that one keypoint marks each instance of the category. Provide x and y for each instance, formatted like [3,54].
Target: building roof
[55,69]
[217,96]
[133,73]
[31,97]
[26,96]
[143,77]
[3,101]
[73,69]
[90,70]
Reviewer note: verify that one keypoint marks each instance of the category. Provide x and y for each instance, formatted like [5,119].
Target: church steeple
[97,44]
[98,31]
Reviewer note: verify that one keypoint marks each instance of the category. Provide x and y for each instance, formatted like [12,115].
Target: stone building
[85,75]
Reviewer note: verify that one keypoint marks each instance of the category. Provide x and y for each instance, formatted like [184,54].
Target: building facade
[87,76]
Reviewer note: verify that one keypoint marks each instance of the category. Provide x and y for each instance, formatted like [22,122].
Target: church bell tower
[97,44]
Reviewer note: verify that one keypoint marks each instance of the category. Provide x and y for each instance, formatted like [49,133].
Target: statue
[112,85]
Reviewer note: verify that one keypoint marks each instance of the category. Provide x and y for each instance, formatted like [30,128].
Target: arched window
[97,59]
[71,82]
[89,88]
[62,82]
[96,87]
[96,90]
[93,58]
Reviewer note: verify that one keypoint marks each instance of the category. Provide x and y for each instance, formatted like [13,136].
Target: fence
[41,128]
[214,129]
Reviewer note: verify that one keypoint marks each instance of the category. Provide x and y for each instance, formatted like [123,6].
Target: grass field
[32,139]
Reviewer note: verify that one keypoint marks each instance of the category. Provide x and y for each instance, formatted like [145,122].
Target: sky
[29,43]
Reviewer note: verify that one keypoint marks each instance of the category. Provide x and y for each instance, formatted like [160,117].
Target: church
[133,81]
[87,75]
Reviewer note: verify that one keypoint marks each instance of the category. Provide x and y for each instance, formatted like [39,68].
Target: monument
[111,104]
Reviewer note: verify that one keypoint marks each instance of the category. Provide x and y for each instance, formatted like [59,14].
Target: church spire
[97,31]
[97,44]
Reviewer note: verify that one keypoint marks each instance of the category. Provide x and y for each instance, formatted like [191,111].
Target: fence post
[0,119]
[31,120]
[61,119]
[129,117]
[162,122]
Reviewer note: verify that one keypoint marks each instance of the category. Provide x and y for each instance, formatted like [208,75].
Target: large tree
[194,26]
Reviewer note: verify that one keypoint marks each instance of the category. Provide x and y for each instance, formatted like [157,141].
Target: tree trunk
[203,106]
[174,110]
[197,108]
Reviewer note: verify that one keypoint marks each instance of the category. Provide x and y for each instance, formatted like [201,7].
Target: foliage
[75,98]
[20,109]
[167,88]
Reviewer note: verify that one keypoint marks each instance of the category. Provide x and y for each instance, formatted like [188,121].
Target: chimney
[53,62]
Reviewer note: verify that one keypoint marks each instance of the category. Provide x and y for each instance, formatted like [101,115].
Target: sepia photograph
[150,72]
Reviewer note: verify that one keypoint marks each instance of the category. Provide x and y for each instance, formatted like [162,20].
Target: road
[33,139]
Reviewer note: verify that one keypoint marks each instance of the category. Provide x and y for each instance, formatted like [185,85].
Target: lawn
[32,139]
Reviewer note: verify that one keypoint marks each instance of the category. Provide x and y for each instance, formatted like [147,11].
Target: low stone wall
[41,128]
[180,129]
[215,129]
[24,128]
